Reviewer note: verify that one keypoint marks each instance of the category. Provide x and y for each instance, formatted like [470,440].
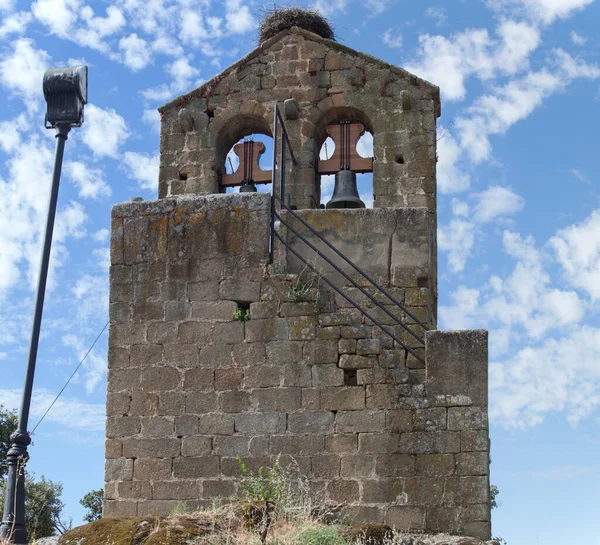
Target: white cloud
[103,131]
[457,239]
[577,249]
[22,71]
[560,375]
[180,73]
[238,18]
[15,23]
[495,113]
[448,62]
[543,11]
[59,16]
[90,181]
[578,39]
[436,13]
[97,28]
[522,306]
[390,40]
[68,412]
[193,30]
[137,53]
[101,235]
[451,178]
[152,117]
[494,202]
[143,168]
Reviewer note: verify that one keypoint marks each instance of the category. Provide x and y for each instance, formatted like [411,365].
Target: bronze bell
[247,187]
[345,192]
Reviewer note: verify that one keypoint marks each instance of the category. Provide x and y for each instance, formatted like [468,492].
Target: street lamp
[65,91]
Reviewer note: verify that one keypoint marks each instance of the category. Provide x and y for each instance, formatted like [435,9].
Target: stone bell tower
[340,369]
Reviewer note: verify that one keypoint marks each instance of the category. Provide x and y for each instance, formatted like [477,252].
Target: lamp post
[65,91]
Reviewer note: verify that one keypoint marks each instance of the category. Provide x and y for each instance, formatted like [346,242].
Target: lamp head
[65,91]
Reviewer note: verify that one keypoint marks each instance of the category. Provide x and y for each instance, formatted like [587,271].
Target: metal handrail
[285,143]
[353,265]
[364,312]
[347,277]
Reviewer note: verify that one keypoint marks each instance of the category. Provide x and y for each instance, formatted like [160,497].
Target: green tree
[8,424]
[92,501]
[43,507]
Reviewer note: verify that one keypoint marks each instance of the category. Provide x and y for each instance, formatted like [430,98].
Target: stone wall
[190,388]
[329,83]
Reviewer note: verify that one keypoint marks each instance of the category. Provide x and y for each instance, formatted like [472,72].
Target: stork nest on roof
[276,20]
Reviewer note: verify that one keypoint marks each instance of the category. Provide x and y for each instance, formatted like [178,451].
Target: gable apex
[205,89]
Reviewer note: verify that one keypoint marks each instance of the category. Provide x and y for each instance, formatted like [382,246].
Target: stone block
[234,401]
[262,376]
[355,332]
[327,375]
[149,469]
[405,518]
[263,309]
[296,374]
[358,467]
[186,425]
[326,466]
[117,404]
[201,403]
[143,355]
[214,311]
[160,378]
[467,418]
[395,465]
[435,465]
[466,490]
[342,443]
[199,379]
[347,346]
[310,422]
[203,291]
[143,403]
[277,399]
[328,333]
[311,399]
[302,328]
[161,333]
[228,378]
[434,442]
[196,446]
[249,354]
[384,490]
[218,489]
[320,352]
[216,424]
[196,468]
[472,463]
[113,448]
[351,361]
[376,443]
[284,352]
[368,347]
[343,491]
[268,329]
[363,421]
[297,445]
[228,333]
[260,423]
[216,355]
[457,364]
[157,426]
[119,508]
[122,426]
[151,448]
[241,291]
[297,309]
[472,441]
[181,355]
[118,469]
[343,398]
[231,445]
[175,490]
[198,333]
[385,396]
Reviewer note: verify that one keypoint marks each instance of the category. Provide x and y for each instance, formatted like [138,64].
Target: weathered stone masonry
[190,388]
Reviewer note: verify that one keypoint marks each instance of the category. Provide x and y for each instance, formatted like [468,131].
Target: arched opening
[261,170]
[238,129]
[363,147]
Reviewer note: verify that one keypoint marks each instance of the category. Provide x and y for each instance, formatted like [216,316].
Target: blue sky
[519,212]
